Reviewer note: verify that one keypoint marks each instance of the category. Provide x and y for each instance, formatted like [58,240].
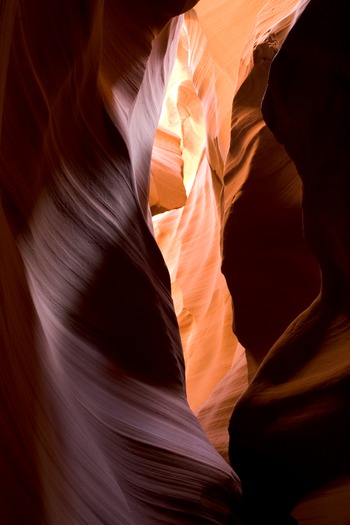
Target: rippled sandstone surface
[96,425]
[290,430]
[152,256]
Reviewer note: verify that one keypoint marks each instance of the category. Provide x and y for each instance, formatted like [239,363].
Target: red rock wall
[290,430]
[97,425]
[116,325]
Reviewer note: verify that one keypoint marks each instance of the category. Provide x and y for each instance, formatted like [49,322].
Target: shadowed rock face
[271,273]
[290,430]
[99,368]
[97,425]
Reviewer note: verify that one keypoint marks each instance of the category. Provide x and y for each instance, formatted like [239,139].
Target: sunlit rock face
[167,190]
[152,244]
[243,213]
[95,423]
[198,108]
[290,430]
[189,237]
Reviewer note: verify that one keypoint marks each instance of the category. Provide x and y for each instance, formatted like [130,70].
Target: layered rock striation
[153,262]
[290,430]
[96,427]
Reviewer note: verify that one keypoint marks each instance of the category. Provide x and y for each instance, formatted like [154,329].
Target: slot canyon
[175,262]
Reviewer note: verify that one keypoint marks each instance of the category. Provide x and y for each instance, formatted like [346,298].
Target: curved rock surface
[201,298]
[255,194]
[271,273]
[290,430]
[115,111]
[97,428]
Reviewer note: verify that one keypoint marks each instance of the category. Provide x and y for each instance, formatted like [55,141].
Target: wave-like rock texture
[198,106]
[167,190]
[290,431]
[98,373]
[190,236]
[271,273]
[254,195]
[95,425]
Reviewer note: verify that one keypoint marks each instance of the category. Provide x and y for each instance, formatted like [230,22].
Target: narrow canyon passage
[174,274]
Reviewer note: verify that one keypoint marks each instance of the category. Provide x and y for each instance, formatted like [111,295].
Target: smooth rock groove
[96,427]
